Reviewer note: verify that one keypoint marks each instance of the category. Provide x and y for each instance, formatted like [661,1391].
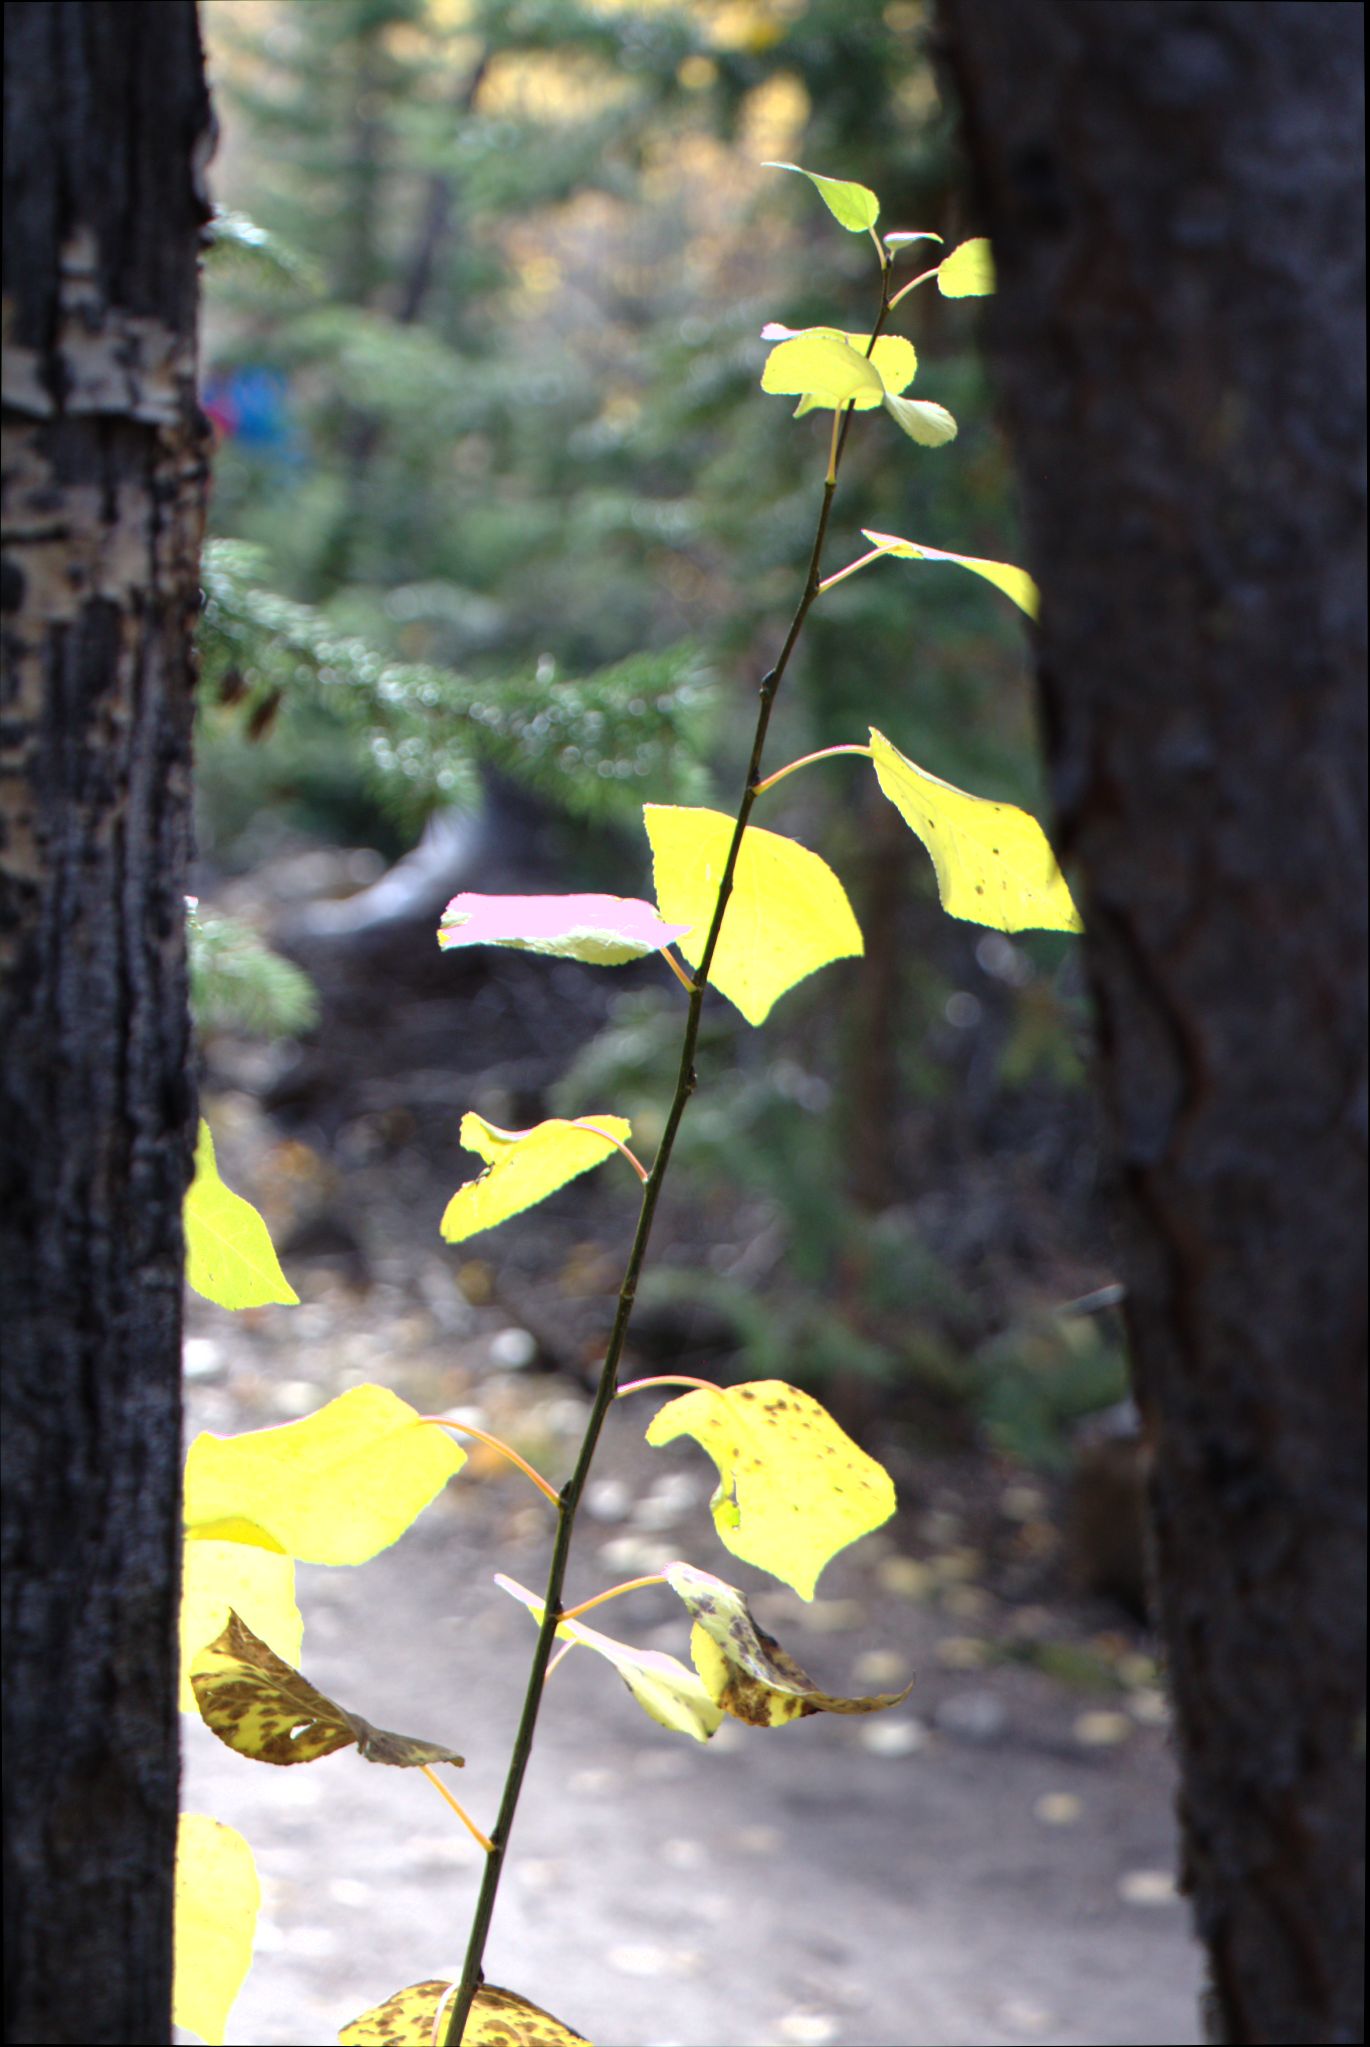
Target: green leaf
[894,360]
[498,2018]
[1015,583]
[524,1166]
[744,1669]
[932,426]
[217,1900]
[248,1574]
[787,916]
[854,206]
[666,1691]
[332,1488]
[824,369]
[229,1254]
[793,1487]
[604,931]
[994,865]
[968,272]
[262,1707]
[901,240]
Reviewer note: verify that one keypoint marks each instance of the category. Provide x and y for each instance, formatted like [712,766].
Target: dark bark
[106,129]
[1174,191]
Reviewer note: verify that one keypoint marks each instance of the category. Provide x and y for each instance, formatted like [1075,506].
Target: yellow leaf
[498,2018]
[788,914]
[994,865]
[230,1258]
[793,1487]
[894,360]
[968,272]
[932,426]
[332,1488]
[822,367]
[525,1166]
[744,1668]
[666,1691]
[220,1576]
[855,206]
[1015,583]
[217,1899]
[264,1708]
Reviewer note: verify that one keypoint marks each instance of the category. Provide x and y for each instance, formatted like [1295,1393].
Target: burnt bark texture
[106,127]
[1174,193]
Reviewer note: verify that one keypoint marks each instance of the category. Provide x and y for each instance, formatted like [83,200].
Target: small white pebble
[349,1890]
[807,2028]
[1148,1887]
[894,1737]
[512,1350]
[1101,1729]
[1058,1808]
[296,1396]
[202,1358]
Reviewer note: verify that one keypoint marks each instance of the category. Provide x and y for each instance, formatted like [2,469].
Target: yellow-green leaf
[994,865]
[249,1576]
[1015,583]
[894,360]
[263,1707]
[525,1166]
[230,1258]
[217,1899]
[968,272]
[666,1691]
[787,916]
[332,1488]
[744,1669]
[498,2018]
[932,426]
[793,1487]
[823,369]
[854,206]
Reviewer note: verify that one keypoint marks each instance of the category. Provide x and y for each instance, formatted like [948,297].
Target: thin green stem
[472,1969]
[825,753]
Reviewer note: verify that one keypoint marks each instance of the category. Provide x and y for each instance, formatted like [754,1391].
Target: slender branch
[441,1421]
[472,1969]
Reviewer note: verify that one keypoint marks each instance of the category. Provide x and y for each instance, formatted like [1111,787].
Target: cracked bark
[106,130]
[1175,196]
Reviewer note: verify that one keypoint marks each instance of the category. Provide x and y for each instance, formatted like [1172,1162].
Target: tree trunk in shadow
[106,129]
[1175,196]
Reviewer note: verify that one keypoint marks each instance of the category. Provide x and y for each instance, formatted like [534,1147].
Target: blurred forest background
[505,534]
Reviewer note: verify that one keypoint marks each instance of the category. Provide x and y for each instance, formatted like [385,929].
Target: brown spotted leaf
[260,1705]
[418,2015]
[793,1487]
[744,1669]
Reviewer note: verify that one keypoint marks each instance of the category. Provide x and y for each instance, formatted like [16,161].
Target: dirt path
[989,1863]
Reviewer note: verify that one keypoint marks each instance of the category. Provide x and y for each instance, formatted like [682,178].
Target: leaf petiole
[486,1843]
[637,1385]
[824,753]
[618,1145]
[572,1613]
[841,575]
[442,1421]
[913,285]
[674,964]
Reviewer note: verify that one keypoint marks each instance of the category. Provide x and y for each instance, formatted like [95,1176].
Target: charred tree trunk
[1175,196]
[106,124]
